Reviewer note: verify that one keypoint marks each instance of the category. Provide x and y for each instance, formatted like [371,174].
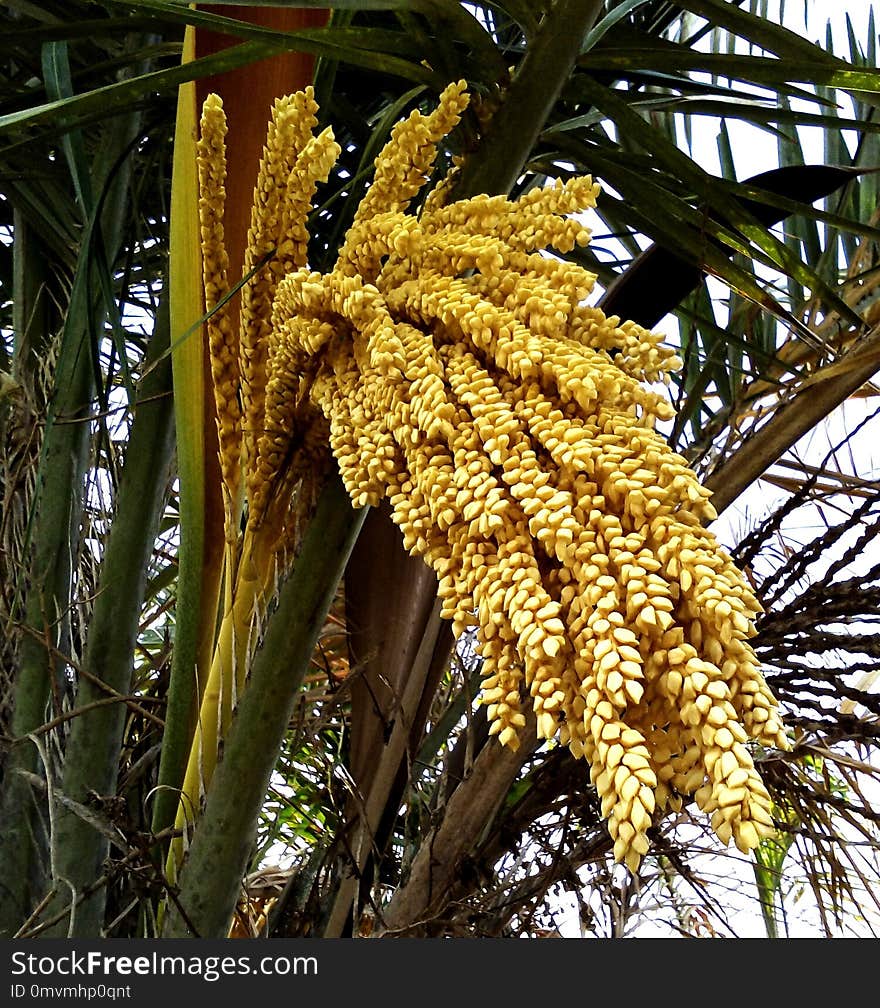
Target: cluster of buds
[512,429]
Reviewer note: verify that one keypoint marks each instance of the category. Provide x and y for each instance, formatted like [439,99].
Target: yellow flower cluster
[257,380]
[511,427]
[222,338]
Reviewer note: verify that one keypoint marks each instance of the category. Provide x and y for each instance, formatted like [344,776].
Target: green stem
[54,535]
[46,612]
[22,846]
[210,879]
[515,127]
[200,551]
[95,740]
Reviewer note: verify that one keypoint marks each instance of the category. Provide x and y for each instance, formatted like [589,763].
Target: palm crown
[140,583]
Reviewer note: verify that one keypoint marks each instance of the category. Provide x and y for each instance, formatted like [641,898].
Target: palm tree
[353,787]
